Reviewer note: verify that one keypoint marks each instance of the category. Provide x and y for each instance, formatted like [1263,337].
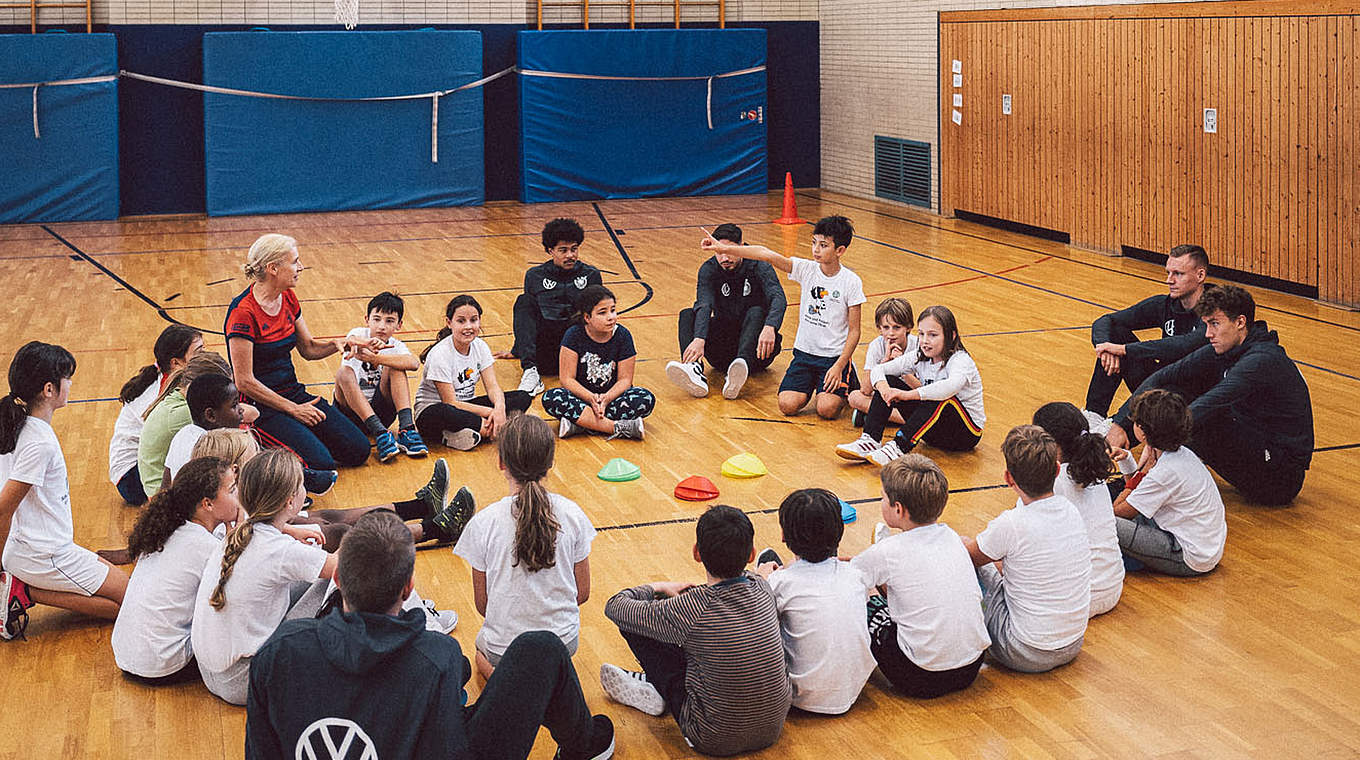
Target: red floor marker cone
[790,206]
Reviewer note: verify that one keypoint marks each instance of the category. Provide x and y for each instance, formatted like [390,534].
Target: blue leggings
[335,441]
[634,403]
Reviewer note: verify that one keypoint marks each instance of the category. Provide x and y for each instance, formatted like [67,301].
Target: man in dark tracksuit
[543,312]
[738,307]
[1120,356]
[1253,419]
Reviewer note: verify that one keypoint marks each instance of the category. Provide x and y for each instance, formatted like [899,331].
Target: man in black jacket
[542,313]
[1253,419]
[738,307]
[370,682]
[1120,356]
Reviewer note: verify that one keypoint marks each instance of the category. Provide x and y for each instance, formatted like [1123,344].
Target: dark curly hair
[1164,418]
[197,480]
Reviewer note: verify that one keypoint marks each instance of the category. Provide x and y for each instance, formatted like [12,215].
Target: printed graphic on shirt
[335,739]
[549,284]
[597,372]
[580,282]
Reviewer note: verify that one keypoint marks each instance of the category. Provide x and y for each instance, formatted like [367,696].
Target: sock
[411,509]
[374,425]
[404,419]
[433,532]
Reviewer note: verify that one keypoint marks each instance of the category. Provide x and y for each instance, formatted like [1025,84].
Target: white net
[347,12]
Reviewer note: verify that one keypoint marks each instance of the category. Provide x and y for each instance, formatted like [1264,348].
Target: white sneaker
[567,428]
[737,372]
[689,376]
[859,449]
[881,531]
[1097,424]
[462,440]
[530,382]
[439,621]
[631,688]
[885,454]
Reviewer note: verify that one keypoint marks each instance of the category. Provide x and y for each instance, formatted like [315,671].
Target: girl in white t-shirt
[529,552]
[42,564]
[447,407]
[1170,516]
[1085,466]
[940,404]
[172,541]
[893,317]
[172,351]
[254,577]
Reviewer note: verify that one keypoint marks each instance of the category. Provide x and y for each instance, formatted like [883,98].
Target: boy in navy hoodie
[373,676]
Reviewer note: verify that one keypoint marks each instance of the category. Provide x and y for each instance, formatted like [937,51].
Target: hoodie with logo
[1182,329]
[555,289]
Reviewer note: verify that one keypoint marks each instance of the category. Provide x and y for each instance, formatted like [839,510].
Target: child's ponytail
[173,343]
[266,486]
[454,305]
[170,508]
[526,448]
[35,365]
[1087,455]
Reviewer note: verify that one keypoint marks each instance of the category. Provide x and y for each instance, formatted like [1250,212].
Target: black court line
[380,261]
[768,419]
[81,255]
[1089,264]
[219,282]
[1341,447]
[626,259]
[769,511]
[172,297]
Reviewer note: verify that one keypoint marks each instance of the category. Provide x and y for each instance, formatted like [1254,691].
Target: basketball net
[347,12]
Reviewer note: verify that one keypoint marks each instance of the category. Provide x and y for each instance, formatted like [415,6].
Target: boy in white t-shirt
[828,317]
[820,600]
[371,387]
[1170,516]
[928,634]
[894,319]
[1036,611]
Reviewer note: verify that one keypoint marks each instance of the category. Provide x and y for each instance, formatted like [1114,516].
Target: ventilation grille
[902,170]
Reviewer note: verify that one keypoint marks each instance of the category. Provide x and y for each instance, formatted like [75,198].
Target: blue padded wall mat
[70,173]
[584,139]
[273,156]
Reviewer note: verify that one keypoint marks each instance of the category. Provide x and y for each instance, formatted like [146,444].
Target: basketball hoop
[347,12]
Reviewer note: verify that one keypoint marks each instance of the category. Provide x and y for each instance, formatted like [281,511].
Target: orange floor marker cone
[790,206]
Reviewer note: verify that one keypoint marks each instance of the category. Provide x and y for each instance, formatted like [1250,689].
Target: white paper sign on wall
[1006,105]
[958,80]
[958,117]
[1211,120]
[956,66]
[958,100]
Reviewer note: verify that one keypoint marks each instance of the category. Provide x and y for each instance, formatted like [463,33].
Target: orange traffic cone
[790,206]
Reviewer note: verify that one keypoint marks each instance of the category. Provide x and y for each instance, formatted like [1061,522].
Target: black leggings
[435,420]
[908,677]
[942,424]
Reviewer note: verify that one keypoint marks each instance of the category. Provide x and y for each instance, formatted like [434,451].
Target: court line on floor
[623,252]
[1089,264]
[124,283]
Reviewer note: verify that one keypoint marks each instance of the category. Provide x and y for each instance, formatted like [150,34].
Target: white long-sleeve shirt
[940,381]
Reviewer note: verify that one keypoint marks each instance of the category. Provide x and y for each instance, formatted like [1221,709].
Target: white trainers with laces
[689,376]
[629,687]
[439,621]
[737,372]
[627,429]
[859,449]
[530,382]
[885,454]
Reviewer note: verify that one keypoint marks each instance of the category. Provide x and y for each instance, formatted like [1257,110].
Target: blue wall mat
[586,139]
[71,173]
[271,156]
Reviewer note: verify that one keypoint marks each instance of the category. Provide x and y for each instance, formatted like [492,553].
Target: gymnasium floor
[1255,660]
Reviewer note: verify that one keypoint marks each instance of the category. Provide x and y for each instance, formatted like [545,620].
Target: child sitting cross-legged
[711,654]
[371,386]
[821,605]
[926,631]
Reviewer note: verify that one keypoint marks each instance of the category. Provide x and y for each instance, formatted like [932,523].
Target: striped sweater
[736,682]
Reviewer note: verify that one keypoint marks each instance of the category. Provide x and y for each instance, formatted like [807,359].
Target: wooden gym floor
[1255,660]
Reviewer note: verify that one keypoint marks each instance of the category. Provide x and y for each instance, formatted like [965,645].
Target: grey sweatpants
[1007,649]
[1142,539]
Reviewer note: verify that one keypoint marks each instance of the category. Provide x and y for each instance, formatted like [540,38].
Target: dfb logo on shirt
[1170,327]
[549,284]
[580,282]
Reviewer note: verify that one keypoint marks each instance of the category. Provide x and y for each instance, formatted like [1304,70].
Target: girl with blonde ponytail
[252,579]
[529,552]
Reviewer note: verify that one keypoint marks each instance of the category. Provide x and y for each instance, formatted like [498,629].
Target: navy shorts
[806,371]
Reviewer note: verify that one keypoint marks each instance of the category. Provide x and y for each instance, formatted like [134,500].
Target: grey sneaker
[567,428]
[452,519]
[530,382]
[462,440]
[689,376]
[627,429]
[631,688]
[737,372]
[435,493]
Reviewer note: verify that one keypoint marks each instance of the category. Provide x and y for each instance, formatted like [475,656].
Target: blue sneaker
[411,445]
[319,482]
[385,445]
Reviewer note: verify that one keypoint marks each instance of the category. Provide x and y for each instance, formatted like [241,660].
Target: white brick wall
[879,63]
[266,12]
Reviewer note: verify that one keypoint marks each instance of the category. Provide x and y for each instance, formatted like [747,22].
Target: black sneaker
[435,493]
[601,745]
[768,555]
[452,519]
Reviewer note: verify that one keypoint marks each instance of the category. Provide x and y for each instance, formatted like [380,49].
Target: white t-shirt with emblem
[444,364]
[877,352]
[824,307]
[370,375]
[42,524]
[1182,497]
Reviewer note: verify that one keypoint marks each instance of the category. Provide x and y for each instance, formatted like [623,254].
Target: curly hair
[1087,454]
[197,480]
